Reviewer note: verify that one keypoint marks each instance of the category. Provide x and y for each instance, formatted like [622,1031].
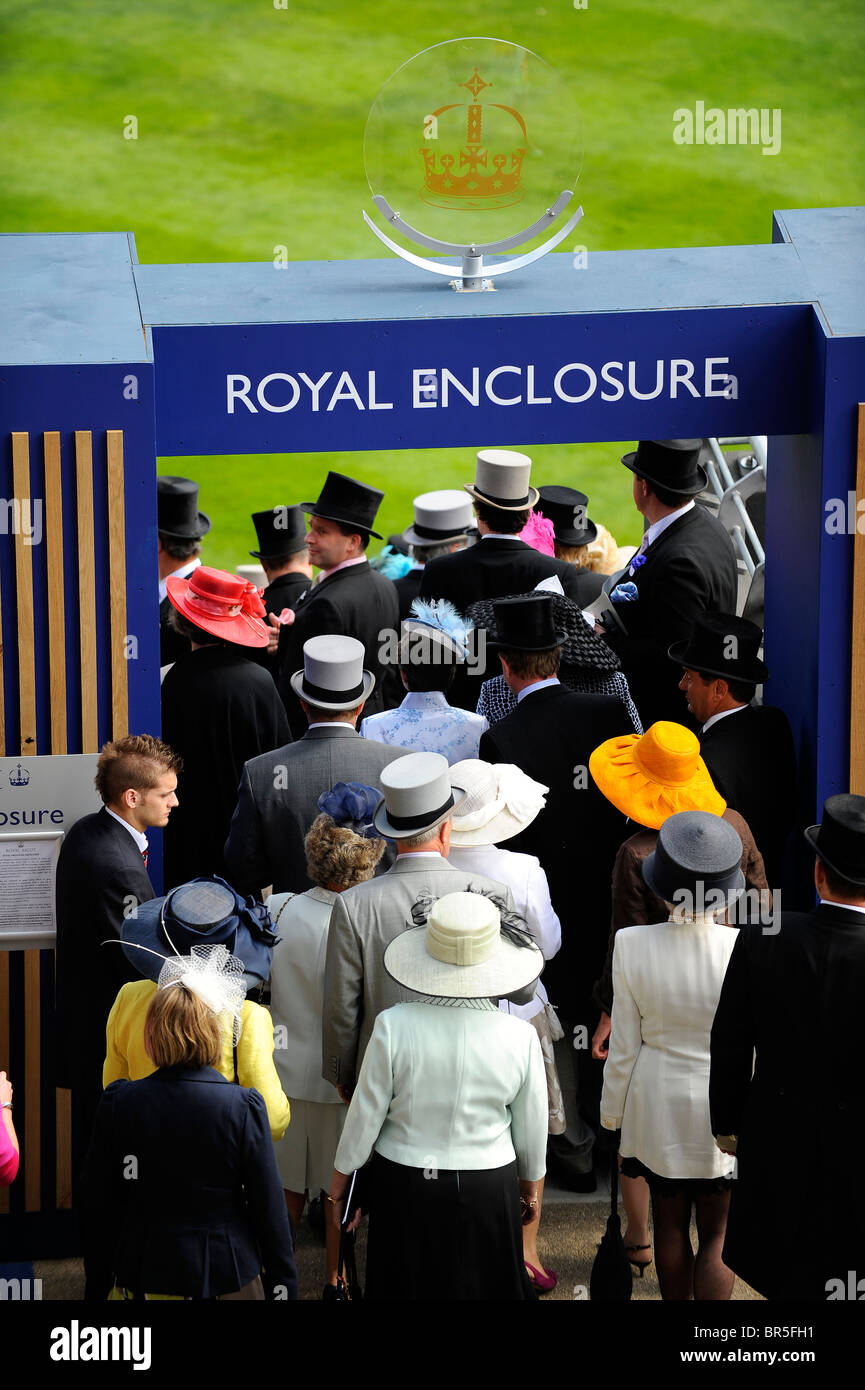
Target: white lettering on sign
[505,385]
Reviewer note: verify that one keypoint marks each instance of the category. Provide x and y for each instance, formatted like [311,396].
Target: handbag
[611,1279]
[348,1289]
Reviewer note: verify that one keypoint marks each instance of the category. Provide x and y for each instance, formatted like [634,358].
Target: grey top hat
[418,796]
[502,480]
[695,847]
[440,517]
[333,675]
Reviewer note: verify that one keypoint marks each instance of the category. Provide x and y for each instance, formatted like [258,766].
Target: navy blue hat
[695,847]
[351,804]
[203,912]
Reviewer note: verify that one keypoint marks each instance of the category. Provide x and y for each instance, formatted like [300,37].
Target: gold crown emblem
[485,171]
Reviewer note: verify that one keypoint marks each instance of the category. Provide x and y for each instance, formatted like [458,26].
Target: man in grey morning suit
[419,801]
[278,793]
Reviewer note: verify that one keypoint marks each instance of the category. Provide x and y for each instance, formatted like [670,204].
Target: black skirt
[439,1235]
[672,1187]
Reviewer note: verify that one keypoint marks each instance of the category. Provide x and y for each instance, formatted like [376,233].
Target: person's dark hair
[316,714]
[190,631]
[178,548]
[138,761]
[664,496]
[506,523]
[540,666]
[741,690]
[435,675]
[842,887]
[346,530]
[424,553]
[276,562]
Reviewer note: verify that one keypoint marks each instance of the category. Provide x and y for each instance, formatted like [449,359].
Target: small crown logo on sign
[485,171]
[20,777]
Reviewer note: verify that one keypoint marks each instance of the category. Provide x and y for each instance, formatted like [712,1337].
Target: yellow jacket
[126,1059]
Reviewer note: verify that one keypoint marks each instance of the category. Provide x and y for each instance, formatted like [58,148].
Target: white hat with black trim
[440,517]
[502,480]
[418,796]
[333,675]
[462,953]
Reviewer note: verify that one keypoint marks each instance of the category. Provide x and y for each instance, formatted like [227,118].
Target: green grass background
[250,126]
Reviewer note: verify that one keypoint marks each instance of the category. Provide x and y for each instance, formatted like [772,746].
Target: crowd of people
[471,876]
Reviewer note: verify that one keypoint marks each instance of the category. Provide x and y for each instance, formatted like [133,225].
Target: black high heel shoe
[641,1265]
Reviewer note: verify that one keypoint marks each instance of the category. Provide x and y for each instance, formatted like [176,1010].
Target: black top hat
[694,847]
[347,501]
[177,511]
[669,463]
[721,644]
[839,839]
[582,648]
[565,507]
[525,624]
[281,531]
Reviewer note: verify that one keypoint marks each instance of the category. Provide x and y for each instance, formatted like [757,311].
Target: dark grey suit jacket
[277,801]
[363,921]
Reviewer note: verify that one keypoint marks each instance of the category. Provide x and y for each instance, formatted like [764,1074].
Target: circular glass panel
[472,140]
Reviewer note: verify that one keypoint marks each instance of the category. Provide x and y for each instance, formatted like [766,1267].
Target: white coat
[667,979]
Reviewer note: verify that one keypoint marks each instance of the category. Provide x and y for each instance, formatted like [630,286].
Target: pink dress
[8,1157]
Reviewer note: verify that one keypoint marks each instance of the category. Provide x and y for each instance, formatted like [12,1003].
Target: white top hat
[461,953]
[333,676]
[440,517]
[418,795]
[500,802]
[502,480]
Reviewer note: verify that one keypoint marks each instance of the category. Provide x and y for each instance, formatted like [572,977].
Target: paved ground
[571,1227]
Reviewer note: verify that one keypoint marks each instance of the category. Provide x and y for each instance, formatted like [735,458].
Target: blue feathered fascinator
[351,804]
[441,616]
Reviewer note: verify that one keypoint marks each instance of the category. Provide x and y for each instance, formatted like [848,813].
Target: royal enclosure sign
[362,385]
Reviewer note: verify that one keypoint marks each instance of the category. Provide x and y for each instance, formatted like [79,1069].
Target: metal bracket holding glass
[462,143]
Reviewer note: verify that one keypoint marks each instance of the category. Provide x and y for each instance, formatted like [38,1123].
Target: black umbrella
[611,1277]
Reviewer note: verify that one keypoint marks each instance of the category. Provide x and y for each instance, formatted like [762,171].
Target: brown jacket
[634,904]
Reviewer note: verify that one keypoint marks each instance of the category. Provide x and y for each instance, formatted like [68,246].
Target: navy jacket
[182,1192]
[794,997]
[550,735]
[689,569]
[218,710]
[355,602]
[100,877]
[752,761]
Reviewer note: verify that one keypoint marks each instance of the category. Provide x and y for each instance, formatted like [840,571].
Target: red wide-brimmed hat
[222,604]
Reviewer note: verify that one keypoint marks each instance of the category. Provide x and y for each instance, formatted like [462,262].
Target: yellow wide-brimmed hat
[656,775]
